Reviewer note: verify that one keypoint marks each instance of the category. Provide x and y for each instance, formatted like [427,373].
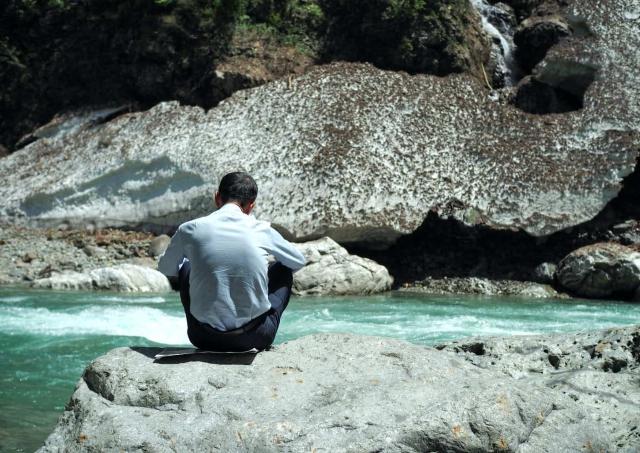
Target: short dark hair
[239,187]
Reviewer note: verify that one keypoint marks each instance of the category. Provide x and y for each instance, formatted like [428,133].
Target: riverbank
[348,392]
[64,258]
[28,254]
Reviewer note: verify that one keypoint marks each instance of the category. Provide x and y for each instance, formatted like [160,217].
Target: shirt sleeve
[171,259]
[284,251]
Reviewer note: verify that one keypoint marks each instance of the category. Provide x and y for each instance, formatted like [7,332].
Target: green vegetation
[57,55]
[297,23]
[61,54]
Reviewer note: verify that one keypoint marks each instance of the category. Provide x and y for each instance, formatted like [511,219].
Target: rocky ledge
[356,153]
[341,393]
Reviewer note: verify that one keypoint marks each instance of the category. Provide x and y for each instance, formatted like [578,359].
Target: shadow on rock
[221,358]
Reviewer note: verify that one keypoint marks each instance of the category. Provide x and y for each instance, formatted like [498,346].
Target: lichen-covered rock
[331,270]
[122,277]
[602,270]
[348,150]
[341,393]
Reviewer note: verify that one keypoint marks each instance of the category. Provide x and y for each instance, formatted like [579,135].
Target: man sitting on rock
[232,299]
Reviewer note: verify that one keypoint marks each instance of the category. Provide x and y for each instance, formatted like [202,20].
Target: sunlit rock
[603,270]
[122,277]
[339,393]
[331,270]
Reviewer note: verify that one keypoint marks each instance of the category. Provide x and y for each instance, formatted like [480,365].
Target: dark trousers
[261,333]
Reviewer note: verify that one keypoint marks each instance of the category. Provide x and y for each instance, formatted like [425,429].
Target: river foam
[135,321]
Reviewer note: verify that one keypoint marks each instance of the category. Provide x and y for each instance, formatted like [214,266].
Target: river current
[48,338]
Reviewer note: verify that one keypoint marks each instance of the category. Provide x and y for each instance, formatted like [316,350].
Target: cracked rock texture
[354,393]
[331,270]
[350,151]
[600,370]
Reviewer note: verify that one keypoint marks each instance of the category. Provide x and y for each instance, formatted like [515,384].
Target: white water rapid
[499,25]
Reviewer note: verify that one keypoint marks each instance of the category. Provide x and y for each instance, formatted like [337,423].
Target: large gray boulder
[600,370]
[601,270]
[331,270]
[122,277]
[351,151]
[339,393]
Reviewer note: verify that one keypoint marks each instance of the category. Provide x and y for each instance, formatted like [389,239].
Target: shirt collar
[231,207]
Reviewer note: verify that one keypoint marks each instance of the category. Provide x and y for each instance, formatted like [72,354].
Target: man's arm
[284,251]
[173,256]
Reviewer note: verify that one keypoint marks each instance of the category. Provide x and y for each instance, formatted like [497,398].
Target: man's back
[228,253]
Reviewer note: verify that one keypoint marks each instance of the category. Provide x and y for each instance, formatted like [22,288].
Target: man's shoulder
[192,224]
[259,225]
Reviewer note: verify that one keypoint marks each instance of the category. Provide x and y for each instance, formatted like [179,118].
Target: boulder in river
[350,393]
[122,277]
[349,150]
[331,270]
[603,270]
[158,245]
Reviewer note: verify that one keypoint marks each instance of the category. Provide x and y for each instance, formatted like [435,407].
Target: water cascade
[499,22]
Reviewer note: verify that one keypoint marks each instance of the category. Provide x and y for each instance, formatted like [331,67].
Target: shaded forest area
[58,55]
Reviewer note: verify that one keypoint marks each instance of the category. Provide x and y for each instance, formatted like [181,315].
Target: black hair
[239,187]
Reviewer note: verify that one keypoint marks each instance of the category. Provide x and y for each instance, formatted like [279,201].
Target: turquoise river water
[48,338]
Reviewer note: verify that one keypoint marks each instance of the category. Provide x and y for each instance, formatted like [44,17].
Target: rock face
[331,270]
[601,270]
[535,36]
[352,393]
[598,370]
[348,150]
[123,277]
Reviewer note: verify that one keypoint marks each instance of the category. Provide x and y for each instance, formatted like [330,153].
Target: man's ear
[249,207]
[218,200]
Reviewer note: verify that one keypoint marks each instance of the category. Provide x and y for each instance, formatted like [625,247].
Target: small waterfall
[499,25]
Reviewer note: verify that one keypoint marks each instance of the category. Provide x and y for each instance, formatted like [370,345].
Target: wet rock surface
[331,270]
[601,271]
[354,393]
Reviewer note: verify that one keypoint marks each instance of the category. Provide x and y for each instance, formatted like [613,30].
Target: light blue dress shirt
[228,251]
